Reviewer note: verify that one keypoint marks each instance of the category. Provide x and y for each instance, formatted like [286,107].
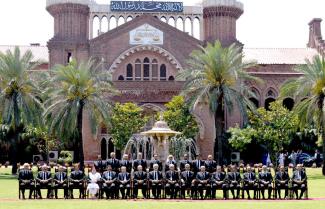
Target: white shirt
[94,177]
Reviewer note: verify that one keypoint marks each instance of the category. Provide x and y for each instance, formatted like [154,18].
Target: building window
[171,78]
[69,57]
[163,73]
[146,69]
[154,69]
[121,78]
[138,70]
[129,72]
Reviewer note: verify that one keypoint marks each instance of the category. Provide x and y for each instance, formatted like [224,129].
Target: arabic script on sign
[146,6]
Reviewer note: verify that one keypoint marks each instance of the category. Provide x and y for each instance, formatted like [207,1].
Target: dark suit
[281,182]
[299,180]
[61,182]
[203,182]
[100,165]
[172,184]
[26,181]
[187,178]
[250,182]
[155,180]
[183,163]
[265,181]
[234,179]
[218,181]
[210,166]
[77,182]
[170,162]
[196,165]
[152,162]
[140,181]
[124,184]
[109,186]
[43,181]
[114,163]
[141,162]
[127,164]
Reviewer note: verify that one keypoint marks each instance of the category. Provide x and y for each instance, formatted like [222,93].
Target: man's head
[233,168]
[198,157]
[171,167]
[139,167]
[140,155]
[186,157]
[99,157]
[26,166]
[202,168]
[155,167]
[170,157]
[210,157]
[125,157]
[93,169]
[155,156]
[44,167]
[187,167]
[123,169]
[219,168]
[282,168]
[61,169]
[299,167]
[264,168]
[249,169]
[112,155]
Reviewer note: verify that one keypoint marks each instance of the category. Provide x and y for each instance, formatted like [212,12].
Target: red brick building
[145,51]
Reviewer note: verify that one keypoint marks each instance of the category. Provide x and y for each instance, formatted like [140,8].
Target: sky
[265,23]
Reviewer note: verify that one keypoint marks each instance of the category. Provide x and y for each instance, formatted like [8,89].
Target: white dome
[227,3]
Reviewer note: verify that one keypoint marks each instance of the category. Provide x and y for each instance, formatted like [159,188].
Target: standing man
[125,163]
[218,181]
[100,164]
[26,180]
[43,180]
[281,181]
[188,181]
[113,162]
[124,182]
[265,181]
[77,181]
[155,161]
[250,182]
[172,185]
[61,182]
[196,164]
[234,179]
[110,177]
[184,162]
[155,180]
[140,182]
[140,161]
[210,164]
[299,180]
[170,161]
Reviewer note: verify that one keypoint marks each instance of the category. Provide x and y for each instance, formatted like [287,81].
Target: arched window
[146,69]
[163,19]
[154,67]
[288,103]
[121,78]
[129,72]
[196,28]
[103,149]
[129,18]
[96,23]
[171,21]
[188,26]
[112,23]
[163,73]
[268,102]
[180,24]
[104,24]
[255,102]
[138,70]
[120,21]
[171,78]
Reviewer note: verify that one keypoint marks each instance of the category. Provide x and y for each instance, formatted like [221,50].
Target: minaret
[220,18]
[71,30]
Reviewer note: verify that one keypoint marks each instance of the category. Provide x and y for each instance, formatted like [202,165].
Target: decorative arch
[172,60]
[288,103]
[271,93]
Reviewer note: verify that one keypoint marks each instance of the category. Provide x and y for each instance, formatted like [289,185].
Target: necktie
[43,175]
[235,176]
[299,176]
[188,174]
[109,175]
[155,175]
[61,179]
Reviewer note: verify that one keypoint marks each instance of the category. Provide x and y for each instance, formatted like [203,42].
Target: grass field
[9,199]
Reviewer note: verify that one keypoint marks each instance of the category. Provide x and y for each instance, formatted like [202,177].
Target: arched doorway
[288,103]
[268,102]
[103,149]
[255,102]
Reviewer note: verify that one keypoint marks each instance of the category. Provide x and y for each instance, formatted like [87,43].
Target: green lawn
[9,199]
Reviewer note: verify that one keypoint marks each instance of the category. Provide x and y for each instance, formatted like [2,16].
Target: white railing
[228,3]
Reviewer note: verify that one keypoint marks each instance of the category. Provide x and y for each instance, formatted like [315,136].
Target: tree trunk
[219,126]
[16,121]
[80,150]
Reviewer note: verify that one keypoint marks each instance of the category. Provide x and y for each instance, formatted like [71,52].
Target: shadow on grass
[7,176]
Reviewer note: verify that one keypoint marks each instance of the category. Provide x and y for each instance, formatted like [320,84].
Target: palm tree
[78,89]
[215,77]
[18,98]
[309,91]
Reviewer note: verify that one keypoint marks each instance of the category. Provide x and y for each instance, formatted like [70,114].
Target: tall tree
[78,90]
[215,76]
[309,91]
[18,98]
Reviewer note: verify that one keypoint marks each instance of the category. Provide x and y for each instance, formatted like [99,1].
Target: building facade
[145,46]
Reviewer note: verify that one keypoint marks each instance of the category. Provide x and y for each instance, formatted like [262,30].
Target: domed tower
[220,18]
[71,30]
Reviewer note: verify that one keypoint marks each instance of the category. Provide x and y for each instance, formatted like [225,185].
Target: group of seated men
[197,178]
